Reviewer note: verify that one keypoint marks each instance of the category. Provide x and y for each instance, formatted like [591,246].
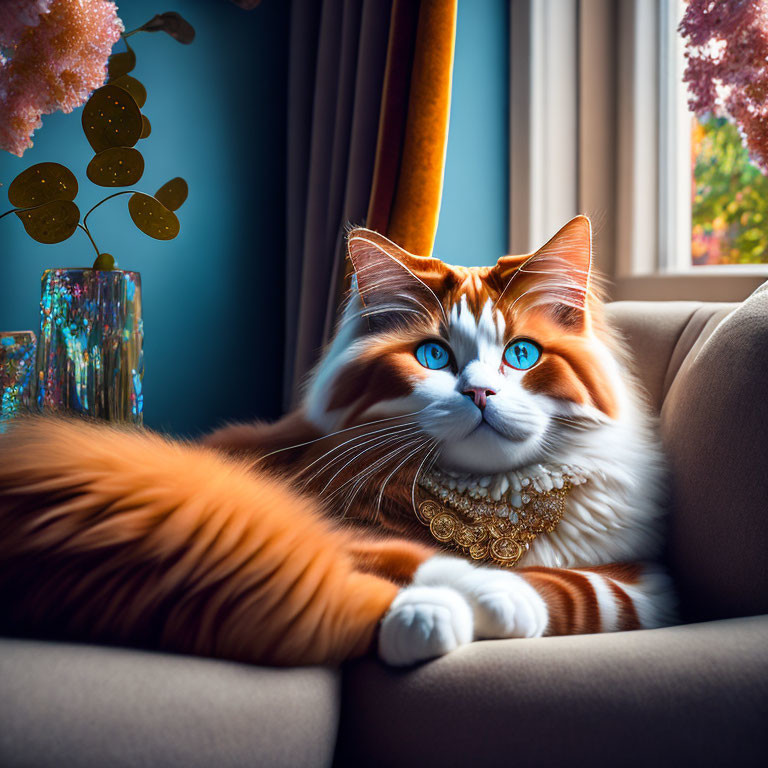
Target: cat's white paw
[422,623]
[503,603]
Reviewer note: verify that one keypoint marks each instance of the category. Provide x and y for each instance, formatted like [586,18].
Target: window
[717,199]
[729,198]
[599,124]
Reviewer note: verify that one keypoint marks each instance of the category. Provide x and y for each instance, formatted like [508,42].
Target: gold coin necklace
[495,519]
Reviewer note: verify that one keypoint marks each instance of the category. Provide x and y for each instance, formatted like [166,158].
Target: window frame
[674,248]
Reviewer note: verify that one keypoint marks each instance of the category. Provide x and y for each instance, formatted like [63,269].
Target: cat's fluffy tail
[119,535]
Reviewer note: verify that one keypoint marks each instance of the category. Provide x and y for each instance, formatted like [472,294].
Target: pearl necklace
[495,494]
[495,518]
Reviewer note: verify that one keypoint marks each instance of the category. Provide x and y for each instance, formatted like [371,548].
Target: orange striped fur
[574,607]
[289,543]
[121,536]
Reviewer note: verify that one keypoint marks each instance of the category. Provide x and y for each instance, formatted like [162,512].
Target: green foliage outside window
[729,198]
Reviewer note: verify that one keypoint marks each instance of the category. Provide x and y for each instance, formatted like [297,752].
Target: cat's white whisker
[379,443]
[338,432]
[399,442]
[353,439]
[359,481]
[423,444]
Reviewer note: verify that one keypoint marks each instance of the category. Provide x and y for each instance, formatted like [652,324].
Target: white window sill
[710,283]
[735,270]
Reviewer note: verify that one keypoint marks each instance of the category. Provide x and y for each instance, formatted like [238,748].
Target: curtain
[368,105]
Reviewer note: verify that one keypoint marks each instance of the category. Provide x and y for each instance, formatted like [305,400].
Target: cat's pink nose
[480,395]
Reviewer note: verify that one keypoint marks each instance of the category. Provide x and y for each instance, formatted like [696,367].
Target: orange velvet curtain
[369,100]
[406,208]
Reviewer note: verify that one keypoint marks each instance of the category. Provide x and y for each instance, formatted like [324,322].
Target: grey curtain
[338,52]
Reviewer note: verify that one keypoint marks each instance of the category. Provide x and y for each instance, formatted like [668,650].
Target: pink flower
[727,70]
[16,16]
[55,64]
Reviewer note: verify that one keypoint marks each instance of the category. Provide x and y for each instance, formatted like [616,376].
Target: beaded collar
[495,518]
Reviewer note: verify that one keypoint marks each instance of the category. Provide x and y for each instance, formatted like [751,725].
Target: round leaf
[152,217]
[173,24]
[173,193]
[111,118]
[146,127]
[133,86]
[120,64]
[116,167]
[52,222]
[42,183]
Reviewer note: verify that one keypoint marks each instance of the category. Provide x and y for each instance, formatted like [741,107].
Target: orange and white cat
[298,542]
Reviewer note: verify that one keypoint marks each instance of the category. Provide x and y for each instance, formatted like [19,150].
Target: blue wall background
[474,216]
[213,297]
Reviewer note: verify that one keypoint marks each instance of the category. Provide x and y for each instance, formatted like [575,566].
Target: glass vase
[17,368]
[90,354]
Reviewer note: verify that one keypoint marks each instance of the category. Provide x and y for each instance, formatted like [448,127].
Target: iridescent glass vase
[90,354]
[17,368]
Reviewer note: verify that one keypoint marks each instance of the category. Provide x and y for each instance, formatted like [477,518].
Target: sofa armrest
[678,696]
[77,705]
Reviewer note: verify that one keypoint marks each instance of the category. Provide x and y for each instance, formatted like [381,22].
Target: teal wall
[213,297]
[474,215]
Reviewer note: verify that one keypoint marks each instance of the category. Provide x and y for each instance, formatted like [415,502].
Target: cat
[496,400]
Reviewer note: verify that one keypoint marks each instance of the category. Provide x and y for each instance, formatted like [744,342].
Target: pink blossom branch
[727,66]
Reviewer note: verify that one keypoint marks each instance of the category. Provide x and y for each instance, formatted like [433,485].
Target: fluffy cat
[300,543]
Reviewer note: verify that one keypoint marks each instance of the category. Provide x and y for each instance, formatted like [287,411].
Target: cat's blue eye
[433,355]
[522,354]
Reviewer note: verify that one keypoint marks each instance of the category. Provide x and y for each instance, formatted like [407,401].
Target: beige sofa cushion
[706,369]
[67,706]
[695,695]
[714,424]
[660,334]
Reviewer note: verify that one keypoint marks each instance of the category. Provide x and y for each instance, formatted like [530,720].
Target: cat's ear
[558,276]
[390,280]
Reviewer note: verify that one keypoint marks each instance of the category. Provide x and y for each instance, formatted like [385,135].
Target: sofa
[689,695]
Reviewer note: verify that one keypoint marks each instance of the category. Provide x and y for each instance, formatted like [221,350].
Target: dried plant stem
[21,210]
[80,226]
[117,194]
[87,232]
